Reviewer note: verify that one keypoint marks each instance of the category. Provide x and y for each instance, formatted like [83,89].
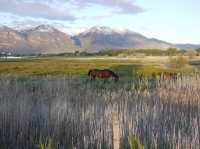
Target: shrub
[46,145]
[191,53]
[178,62]
[134,142]
[171,51]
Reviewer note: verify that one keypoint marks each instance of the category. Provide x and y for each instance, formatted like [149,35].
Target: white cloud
[64,10]
[34,9]
[118,6]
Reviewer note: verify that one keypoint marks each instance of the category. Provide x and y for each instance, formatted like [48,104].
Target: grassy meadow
[50,103]
[80,66]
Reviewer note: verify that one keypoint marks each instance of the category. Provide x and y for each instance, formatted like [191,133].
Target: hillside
[41,39]
[45,39]
[188,46]
[98,38]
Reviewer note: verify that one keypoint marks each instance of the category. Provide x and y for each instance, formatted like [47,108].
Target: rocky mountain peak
[44,28]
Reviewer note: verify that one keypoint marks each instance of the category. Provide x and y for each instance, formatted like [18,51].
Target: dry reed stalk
[116,131]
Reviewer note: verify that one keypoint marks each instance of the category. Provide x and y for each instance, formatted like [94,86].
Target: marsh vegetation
[63,112]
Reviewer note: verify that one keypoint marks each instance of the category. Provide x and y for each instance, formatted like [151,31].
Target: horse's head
[116,78]
[89,72]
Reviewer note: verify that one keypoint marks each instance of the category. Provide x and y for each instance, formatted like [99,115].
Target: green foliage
[48,144]
[152,52]
[117,52]
[198,50]
[134,142]
[135,52]
[61,66]
[148,70]
[171,51]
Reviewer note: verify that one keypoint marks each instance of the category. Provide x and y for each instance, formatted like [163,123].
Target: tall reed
[76,113]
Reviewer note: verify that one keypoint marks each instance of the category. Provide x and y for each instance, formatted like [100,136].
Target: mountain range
[45,39]
[188,46]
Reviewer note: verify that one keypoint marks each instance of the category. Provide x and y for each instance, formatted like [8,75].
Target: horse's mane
[113,74]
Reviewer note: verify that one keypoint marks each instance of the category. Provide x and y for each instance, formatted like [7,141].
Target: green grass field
[51,103]
[80,66]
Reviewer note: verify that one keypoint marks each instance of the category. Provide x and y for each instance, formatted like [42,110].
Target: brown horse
[102,73]
[169,76]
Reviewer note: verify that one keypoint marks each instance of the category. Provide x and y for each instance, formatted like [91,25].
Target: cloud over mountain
[64,10]
[35,9]
[118,6]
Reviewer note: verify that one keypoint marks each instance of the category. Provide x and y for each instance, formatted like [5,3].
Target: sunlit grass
[80,67]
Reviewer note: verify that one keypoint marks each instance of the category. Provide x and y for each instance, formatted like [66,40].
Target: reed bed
[76,113]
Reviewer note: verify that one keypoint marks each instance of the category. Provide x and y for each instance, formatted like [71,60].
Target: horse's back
[169,75]
[102,73]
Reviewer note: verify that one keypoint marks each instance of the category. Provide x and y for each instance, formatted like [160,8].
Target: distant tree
[3,54]
[198,51]
[191,53]
[182,51]
[178,61]
[171,51]
[76,53]
[150,52]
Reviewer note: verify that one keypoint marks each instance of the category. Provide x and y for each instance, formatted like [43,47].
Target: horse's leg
[116,79]
[94,78]
[91,77]
[105,80]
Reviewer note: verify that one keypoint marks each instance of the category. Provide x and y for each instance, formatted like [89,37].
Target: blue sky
[174,21]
